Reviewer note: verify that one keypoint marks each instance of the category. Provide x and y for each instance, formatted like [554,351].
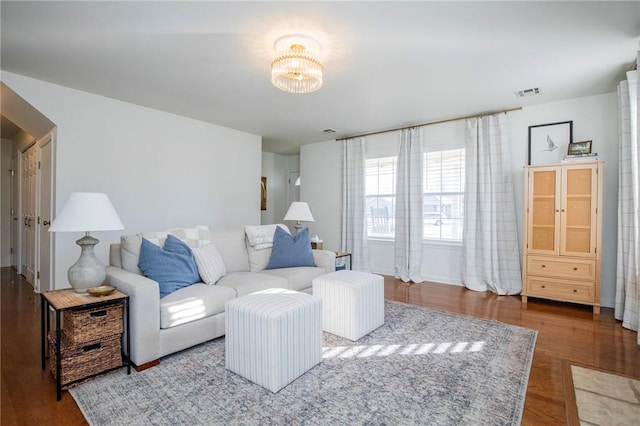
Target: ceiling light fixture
[297,67]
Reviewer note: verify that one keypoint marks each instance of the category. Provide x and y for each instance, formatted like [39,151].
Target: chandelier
[297,68]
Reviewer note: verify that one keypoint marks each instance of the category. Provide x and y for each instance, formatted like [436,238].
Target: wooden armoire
[562,232]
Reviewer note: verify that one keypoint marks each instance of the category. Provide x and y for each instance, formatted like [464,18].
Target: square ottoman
[352,302]
[273,336]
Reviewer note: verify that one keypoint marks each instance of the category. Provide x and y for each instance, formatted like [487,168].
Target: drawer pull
[97,314]
[575,291]
[544,286]
[544,266]
[91,347]
[575,269]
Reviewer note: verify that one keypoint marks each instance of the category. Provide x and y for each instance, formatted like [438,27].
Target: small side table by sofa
[68,300]
[340,254]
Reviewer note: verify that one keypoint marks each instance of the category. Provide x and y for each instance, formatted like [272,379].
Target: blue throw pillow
[289,251]
[172,266]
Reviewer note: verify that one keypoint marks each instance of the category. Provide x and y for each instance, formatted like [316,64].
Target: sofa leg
[146,365]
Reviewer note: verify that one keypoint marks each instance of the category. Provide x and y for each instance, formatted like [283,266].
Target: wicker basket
[90,325]
[80,361]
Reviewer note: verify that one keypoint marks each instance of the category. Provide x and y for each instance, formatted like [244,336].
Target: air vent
[527,92]
[329,131]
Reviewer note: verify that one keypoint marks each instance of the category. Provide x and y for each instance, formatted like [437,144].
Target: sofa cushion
[230,243]
[288,251]
[258,259]
[171,266]
[193,303]
[249,282]
[261,236]
[130,244]
[299,278]
[210,264]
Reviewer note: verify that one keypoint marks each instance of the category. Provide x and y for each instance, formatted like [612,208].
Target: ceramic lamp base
[88,271]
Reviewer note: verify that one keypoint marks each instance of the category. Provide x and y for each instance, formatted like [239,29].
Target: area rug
[602,398]
[421,367]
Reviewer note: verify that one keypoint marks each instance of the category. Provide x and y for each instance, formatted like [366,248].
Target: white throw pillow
[210,264]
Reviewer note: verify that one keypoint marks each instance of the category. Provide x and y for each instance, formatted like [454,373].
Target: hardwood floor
[566,333]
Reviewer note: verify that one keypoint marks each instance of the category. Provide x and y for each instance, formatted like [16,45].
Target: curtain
[409,201]
[627,307]
[354,224]
[490,255]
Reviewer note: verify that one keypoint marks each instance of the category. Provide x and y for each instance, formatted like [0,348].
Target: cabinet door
[578,210]
[543,210]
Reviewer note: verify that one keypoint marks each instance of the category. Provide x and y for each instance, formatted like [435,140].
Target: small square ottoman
[352,302]
[273,336]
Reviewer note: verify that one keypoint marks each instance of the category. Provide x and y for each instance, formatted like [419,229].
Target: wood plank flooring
[566,332]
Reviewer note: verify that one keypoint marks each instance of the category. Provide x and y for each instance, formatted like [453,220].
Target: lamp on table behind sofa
[85,212]
[300,212]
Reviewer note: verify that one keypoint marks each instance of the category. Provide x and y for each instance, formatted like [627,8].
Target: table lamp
[85,212]
[300,212]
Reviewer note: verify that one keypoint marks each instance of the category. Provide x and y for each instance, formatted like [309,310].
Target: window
[443,187]
[381,196]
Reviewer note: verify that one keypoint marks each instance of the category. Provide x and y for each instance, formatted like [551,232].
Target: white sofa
[195,314]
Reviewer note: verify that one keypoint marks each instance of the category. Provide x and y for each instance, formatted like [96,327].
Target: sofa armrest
[325,259]
[144,313]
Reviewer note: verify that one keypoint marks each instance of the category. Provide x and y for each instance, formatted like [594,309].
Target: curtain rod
[430,123]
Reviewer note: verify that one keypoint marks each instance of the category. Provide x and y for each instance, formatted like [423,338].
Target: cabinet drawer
[577,269]
[565,290]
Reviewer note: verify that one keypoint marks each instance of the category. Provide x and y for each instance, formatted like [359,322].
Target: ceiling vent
[527,92]
[329,130]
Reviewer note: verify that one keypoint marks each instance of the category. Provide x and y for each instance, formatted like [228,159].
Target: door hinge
[13,173]
[38,165]
[11,250]
[38,220]
[38,274]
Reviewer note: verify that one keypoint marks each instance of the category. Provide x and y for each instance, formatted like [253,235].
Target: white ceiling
[387,64]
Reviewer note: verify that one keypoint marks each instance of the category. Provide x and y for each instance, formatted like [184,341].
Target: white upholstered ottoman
[273,336]
[352,302]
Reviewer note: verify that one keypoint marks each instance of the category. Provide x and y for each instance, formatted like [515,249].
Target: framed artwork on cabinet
[579,148]
[548,143]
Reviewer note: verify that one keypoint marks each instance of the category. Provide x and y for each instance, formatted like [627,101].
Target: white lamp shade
[87,211]
[299,210]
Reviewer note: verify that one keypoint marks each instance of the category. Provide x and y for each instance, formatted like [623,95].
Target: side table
[340,254]
[69,300]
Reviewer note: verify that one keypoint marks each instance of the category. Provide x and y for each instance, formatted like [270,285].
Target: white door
[44,216]
[16,260]
[28,220]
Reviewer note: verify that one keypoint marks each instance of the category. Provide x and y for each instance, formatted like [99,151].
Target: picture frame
[579,148]
[548,142]
[263,193]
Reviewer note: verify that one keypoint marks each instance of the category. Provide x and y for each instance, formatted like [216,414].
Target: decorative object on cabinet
[84,212]
[549,142]
[562,233]
[579,148]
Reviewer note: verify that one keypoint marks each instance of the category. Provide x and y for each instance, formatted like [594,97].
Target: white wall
[276,169]
[321,180]
[594,118]
[159,169]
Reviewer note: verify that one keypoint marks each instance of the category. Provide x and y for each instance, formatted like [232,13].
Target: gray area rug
[421,367]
